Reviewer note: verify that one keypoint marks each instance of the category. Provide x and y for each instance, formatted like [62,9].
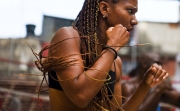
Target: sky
[15,14]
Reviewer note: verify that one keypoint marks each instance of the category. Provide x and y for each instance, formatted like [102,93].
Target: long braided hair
[87,23]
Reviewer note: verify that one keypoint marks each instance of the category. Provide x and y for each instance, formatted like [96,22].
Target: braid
[86,23]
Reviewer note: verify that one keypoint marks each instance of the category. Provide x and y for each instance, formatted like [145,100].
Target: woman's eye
[130,11]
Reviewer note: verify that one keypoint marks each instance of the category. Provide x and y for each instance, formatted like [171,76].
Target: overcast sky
[15,14]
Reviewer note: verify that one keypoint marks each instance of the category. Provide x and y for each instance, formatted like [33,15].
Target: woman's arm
[151,100]
[82,89]
[153,76]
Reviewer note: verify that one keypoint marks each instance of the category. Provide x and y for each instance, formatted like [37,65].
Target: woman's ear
[104,9]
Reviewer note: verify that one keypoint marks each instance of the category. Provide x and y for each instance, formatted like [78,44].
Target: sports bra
[53,83]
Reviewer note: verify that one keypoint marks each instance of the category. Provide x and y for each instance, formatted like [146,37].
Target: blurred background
[36,21]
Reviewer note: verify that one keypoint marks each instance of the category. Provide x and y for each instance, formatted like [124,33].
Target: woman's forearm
[137,98]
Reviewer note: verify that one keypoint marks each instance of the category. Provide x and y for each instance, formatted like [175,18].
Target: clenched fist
[117,36]
[155,75]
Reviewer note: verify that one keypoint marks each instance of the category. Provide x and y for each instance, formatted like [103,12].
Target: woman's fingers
[161,76]
[150,75]
[167,74]
[117,35]
[110,29]
[160,73]
[156,75]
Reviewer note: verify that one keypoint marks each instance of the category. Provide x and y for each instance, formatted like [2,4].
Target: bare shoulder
[118,69]
[66,41]
[65,33]
[119,62]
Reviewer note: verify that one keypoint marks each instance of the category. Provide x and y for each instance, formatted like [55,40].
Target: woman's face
[123,13]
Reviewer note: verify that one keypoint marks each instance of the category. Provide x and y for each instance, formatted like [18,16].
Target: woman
[83,67]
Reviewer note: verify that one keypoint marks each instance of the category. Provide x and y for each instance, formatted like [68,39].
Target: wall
[164,37]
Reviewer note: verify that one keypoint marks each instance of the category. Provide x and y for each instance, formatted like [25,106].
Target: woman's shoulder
[66,41]
[118,65]
[70,30]
[119,61]
[64,33]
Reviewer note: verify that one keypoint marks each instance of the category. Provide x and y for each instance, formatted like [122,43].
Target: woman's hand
[117,36]
[155,75]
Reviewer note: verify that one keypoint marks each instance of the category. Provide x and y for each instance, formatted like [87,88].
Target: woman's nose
[134,21]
